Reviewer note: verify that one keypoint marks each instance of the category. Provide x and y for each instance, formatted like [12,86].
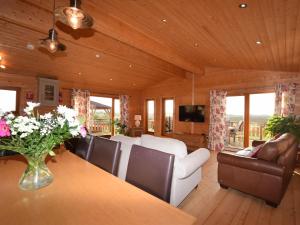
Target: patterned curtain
[81,104]
[285,99]
[124,105]
[217,124]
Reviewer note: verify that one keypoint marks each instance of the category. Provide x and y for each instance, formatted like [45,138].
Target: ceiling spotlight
[79,73]
[0,57]
[164,20]
[130,65]
[74,16]
[196,45]
[258,42]
[30,46]
[2,66]
[98,56]
[110,79]
[243,5]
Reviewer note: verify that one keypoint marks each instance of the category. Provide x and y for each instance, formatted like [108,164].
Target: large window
[150,115]
[8,100]
[104,111]
[235,111]
[246,118]
[168,116]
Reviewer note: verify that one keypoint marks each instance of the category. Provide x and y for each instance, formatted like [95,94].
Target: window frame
[163,115]
[146,115]
[246,96]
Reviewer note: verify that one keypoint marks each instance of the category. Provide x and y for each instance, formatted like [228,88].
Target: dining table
[80,194]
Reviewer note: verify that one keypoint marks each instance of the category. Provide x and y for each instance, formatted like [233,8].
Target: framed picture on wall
[48,92]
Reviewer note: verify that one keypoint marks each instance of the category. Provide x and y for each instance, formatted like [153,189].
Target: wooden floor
[213,205]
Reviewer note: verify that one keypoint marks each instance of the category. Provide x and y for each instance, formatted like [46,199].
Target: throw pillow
[268,152]
[255,151]
[244,152]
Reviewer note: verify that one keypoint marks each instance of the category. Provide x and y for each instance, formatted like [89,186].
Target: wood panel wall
[30,84]
[234,81]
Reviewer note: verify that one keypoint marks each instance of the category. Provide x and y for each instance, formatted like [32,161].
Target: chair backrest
[151,171]
[83,146]
[105,154]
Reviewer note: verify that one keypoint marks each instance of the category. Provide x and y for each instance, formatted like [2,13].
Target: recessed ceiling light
[110,79]
[196,45]
[2,66]
[0,57]
[258,42]
[243,5]
[30,46]
[98,56]
[130,65]
[79,73]
[164,20]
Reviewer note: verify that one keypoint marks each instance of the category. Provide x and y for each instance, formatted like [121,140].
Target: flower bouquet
[34,136]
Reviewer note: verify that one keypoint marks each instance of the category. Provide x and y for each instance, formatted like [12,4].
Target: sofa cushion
[245,152]
[168,145]
[255,151]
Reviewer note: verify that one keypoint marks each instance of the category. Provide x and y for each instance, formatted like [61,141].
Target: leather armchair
[266,176]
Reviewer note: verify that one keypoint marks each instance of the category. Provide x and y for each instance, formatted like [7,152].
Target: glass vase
[37,175]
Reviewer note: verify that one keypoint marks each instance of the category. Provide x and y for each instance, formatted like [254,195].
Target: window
[262,107]
[104,111]
[8,100]
[235,111]
[168,115]
[246,118]
[150,116]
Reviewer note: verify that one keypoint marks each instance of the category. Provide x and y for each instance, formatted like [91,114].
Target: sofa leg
[272,204]
[223,186]
[196,187]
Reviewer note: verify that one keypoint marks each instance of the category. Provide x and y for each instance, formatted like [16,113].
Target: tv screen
[191,113]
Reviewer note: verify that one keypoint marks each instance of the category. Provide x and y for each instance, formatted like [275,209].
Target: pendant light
[74,16]
[51,43]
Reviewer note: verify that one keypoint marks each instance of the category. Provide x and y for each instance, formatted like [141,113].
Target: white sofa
[187,167]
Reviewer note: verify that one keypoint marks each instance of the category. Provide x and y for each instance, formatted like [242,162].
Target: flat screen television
[191,113]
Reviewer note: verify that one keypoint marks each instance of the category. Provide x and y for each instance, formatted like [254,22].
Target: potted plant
[279,125]
[121,128]
[34,136]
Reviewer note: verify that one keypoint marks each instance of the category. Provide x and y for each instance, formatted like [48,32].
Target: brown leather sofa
[266,176]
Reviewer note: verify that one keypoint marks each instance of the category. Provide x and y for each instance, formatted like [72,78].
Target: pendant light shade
[52,43]
[74,16]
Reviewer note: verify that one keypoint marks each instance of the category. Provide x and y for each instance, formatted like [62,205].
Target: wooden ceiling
[141,42]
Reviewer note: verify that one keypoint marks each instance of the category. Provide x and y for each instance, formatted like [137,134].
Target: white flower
[23,135]
[30,106]
[10,116]
[46,116]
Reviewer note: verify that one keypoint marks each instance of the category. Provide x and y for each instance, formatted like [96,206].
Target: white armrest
[189,164]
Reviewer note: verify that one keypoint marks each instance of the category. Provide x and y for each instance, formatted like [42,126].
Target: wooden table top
[81,194]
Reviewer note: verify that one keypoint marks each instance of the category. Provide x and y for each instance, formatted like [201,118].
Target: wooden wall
[234,81]
[30,84]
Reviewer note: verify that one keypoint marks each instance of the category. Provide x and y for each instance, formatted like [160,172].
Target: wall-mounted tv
[191,113]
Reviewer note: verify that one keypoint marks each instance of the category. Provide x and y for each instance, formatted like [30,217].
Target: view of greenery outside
[102,115]
[261,109]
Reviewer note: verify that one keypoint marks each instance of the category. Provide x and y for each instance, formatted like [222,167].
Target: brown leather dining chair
[151,171]
[105,154]
[83,146]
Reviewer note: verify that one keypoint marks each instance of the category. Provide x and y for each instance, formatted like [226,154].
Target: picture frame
[48,92]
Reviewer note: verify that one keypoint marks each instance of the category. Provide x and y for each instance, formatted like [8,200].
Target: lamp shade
[137,117]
